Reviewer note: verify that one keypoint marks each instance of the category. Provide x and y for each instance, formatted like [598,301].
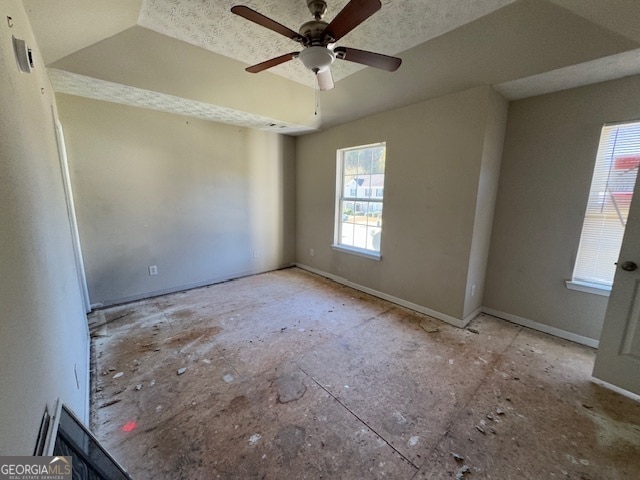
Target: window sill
[358,251]
[585,287]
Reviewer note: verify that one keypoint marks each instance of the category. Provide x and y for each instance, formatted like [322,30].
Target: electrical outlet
[153,270]
[473,290]
[311,252]
[255,254]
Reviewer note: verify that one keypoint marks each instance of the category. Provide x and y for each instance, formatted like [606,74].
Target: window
[612,186]
[359,197]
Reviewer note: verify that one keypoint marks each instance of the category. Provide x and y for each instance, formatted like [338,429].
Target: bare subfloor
[291,376]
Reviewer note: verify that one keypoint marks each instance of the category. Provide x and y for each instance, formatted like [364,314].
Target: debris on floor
[110,402]
[322,398]
[461,473]
[428,327]
[457,458]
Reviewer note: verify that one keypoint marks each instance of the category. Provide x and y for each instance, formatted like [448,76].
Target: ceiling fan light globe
[317,59]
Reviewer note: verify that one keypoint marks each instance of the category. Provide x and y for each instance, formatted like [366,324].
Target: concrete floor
[291,376]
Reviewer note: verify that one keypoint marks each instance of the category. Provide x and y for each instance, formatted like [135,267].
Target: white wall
[43,333]
[442,158]
[548,161]
[204,202]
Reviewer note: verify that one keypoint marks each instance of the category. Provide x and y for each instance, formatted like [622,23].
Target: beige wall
[438,156]
[191,72]
[487,189]
[525,38]
[549,154]
[43,333]
[204,202]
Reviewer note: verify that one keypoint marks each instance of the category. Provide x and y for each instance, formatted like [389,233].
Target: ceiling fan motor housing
[317,8]
[313,31]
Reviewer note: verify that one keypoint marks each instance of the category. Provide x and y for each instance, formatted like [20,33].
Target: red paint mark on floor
[129,426]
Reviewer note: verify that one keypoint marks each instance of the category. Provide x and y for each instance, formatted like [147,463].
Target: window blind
[610,196]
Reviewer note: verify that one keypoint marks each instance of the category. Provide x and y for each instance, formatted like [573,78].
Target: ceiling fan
[318,37]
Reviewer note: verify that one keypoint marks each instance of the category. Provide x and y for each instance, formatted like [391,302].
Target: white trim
[339,198]
[472,315]
[616,389]
[456,322]
[71,213]
[541,327]
[370,254]
[54,422]
[586,287]
[183,288]
[87,386]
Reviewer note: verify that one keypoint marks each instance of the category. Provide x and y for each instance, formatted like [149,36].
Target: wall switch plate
[311,252]
[153,270]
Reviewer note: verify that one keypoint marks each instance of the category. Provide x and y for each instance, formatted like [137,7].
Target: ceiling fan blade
[377,60]
[272,62]
[325,80]
[266,22]
[352,15]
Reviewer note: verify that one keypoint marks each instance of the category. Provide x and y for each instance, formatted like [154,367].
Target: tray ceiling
[398,26]
[83,86]
[188,56]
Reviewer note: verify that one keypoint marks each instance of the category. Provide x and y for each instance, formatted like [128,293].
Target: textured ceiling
[398,26]
[188,56]
[80,85]
[587,73]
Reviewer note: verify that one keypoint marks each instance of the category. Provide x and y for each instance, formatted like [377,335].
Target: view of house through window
[360,192]
[614,178]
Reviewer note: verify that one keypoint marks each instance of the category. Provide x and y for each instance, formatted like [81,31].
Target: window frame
[584,284]
[340,197]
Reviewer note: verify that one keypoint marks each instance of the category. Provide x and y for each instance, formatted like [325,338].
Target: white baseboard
[541,327]
[618,390]
[86,418]
[456,322]
[183,288]
[472,315]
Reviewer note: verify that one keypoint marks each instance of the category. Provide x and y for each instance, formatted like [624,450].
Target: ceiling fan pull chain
[317,106]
